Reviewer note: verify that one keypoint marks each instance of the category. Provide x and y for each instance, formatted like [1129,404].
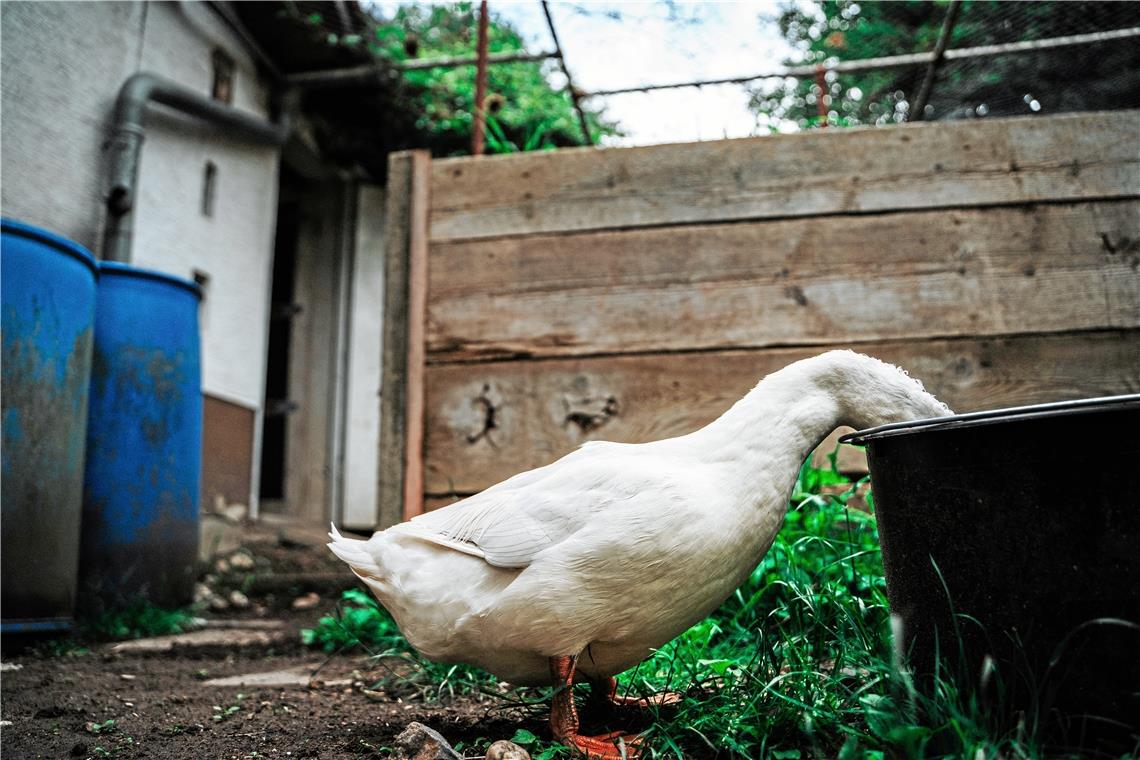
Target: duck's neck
[765,437]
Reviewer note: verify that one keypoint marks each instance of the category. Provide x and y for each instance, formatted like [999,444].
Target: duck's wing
[510,523]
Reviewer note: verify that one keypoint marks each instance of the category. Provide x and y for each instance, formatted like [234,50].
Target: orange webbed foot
[608,687]
[613,746]
[564,720]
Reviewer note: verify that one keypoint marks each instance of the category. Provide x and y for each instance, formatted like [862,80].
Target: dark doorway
[283,309]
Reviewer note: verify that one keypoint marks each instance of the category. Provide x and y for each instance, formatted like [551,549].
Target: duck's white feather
[512,522]
[616,548]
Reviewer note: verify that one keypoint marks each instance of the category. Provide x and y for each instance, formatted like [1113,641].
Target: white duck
[591,562]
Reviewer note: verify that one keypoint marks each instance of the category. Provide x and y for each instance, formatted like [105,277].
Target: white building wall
[362,415]
[234,247]
[63,64]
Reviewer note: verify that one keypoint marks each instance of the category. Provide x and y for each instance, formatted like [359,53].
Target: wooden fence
[536,301]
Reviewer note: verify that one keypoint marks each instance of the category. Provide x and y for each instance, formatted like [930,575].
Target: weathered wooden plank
[540,410]
[1043,268]
[418,212]
[401,390]
[913,166]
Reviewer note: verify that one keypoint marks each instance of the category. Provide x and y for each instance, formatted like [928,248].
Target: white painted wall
[362,416]
[63,64]
[235,246]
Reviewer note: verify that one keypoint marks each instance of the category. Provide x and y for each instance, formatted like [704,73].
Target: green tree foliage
[1091,77]
[525,112]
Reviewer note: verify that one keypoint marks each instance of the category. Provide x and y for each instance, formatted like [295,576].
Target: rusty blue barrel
[144,441]
[47,292]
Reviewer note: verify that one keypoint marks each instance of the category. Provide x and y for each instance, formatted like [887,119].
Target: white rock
[505,750]
[241,561]
[238,599]
[234,513]
[307,602]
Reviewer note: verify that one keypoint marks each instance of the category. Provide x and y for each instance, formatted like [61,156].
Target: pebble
[307,601]
[506,750]
[241,561]
[238,599]
[127,676]
[418,742]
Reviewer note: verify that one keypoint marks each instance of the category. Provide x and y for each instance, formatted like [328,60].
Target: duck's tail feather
[355,554]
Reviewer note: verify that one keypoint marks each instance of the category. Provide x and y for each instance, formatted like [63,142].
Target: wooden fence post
[405,309]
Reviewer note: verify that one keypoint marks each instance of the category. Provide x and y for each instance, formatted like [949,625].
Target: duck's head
[871,392]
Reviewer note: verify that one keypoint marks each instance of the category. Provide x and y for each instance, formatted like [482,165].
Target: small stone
[418,742]
[222,566]
[6,667]
[234,513]
[241,561]
[202,593]
[238,599]
[307,601]
[505,750]
[5,723]
[218,603]
[127,676]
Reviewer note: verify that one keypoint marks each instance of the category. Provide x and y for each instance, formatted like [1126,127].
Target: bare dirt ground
[104,703]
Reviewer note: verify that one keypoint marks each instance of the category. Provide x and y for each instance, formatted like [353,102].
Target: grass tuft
[139,619]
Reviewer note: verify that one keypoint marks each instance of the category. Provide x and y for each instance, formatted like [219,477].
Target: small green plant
[359,621]
[137,620]
[66,647]
[222,714]
[106,727]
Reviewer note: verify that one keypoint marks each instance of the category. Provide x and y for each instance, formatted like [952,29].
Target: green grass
[797,663]
[137,620]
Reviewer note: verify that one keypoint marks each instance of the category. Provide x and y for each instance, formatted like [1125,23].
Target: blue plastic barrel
[144,441]
[47,296]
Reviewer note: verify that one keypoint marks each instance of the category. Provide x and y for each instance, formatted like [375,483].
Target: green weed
[222,714]
[137,620]
[105,727]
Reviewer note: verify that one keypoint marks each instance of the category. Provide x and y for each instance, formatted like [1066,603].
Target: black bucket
[1014,535]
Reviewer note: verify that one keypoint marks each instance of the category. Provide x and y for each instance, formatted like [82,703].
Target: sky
[619,44]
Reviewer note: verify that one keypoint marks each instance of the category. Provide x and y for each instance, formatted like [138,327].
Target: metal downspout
[127,139]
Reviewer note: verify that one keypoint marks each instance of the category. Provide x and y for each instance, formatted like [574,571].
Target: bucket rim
[129,270]
[993,416]
[53,239]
